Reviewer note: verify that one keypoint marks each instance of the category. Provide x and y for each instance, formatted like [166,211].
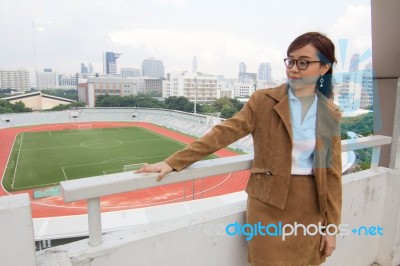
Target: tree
[178,103]
[221,102]
[62,107]
[18,107]
[227,111]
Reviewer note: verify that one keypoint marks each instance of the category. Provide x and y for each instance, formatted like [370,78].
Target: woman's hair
[326,53]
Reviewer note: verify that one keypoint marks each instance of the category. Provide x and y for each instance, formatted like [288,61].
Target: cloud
[177,3]
[355,26]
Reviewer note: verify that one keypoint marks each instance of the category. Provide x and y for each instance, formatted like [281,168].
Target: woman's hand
[328,244]
[162,167]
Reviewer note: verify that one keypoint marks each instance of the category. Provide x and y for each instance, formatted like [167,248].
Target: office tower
[84,68]
[110,63]
[90,68]
[242,67]
[153,68]
[354,63]
[194,64]
[264,72]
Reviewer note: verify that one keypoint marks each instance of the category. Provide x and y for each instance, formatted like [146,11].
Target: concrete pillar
[16,231]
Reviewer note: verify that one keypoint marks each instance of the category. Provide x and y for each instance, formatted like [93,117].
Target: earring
[321,82]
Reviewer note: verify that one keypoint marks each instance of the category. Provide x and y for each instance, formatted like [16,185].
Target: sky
[62,34]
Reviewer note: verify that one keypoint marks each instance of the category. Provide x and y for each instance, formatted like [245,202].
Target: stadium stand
[191,124]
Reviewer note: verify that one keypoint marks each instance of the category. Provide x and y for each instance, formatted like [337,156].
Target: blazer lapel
[282,107]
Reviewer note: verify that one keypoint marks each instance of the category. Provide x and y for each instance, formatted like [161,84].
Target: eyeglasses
[301,64]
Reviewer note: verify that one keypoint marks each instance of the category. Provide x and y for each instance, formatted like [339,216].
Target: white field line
[164,137]
[65,176]
[54,147]
[111,160]
[9,156]
[38,186]
[49,132]
[16,164]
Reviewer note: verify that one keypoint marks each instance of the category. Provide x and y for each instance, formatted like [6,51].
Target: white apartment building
[47,80]
[14,79]
[130,72]
[92,87]
[199,87]
[68,81]
[243,89]
[348,96]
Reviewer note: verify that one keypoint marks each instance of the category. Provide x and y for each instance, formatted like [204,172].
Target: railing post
[94,218]
[376,152]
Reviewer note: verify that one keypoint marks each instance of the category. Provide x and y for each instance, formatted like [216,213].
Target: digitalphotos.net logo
[282,230]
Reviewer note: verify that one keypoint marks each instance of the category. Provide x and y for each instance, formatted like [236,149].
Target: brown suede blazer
[267,117]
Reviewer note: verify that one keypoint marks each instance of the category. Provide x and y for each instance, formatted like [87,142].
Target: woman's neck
[303,91]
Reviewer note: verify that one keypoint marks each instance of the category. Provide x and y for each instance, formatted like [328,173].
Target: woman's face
[305,78]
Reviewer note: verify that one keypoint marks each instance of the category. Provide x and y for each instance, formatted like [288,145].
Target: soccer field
[40,159]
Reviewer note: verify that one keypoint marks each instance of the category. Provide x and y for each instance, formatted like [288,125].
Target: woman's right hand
[162,167]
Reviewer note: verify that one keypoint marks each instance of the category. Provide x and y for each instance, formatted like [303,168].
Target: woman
[296,172]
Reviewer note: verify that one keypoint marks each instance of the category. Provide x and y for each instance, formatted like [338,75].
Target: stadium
[41,149]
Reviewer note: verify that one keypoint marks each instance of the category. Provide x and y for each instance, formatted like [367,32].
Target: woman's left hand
[328,244]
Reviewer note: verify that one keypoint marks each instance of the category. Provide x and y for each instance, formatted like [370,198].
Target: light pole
[195,92]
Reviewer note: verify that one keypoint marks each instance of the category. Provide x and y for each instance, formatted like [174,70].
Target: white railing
[92,188]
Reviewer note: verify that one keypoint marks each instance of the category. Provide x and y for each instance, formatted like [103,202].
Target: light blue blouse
[304,135]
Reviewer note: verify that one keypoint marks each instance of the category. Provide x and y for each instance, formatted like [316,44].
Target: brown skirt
[296,250]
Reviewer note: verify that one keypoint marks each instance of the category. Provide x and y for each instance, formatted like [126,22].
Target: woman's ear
[325,68]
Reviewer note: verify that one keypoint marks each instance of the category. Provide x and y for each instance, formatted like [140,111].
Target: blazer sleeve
[220,136]
[334,180]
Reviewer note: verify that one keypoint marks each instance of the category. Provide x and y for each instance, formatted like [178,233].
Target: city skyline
[220,34]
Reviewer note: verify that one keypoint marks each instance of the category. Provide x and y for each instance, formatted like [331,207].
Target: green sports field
[40,159]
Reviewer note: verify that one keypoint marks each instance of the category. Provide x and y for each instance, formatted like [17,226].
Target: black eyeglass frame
[295,61]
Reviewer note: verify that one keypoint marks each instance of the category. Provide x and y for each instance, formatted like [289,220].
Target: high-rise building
[130,72]
[90,68]
[110,63]
[194,64]
[243,76]
[367,91]
[354,63]
[84,68]
[242,67]
[153,68]
[264,72]
[14,79]
[47,79]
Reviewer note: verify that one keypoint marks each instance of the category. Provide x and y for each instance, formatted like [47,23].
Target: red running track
[55,206]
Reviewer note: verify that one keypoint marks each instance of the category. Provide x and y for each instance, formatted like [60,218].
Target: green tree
[18,107]
[227,111]
[62,107]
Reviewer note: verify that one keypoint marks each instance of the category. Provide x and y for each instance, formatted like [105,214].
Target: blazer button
[258,177]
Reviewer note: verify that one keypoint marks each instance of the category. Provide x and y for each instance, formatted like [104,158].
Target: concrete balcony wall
[370,198]
[16,231]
